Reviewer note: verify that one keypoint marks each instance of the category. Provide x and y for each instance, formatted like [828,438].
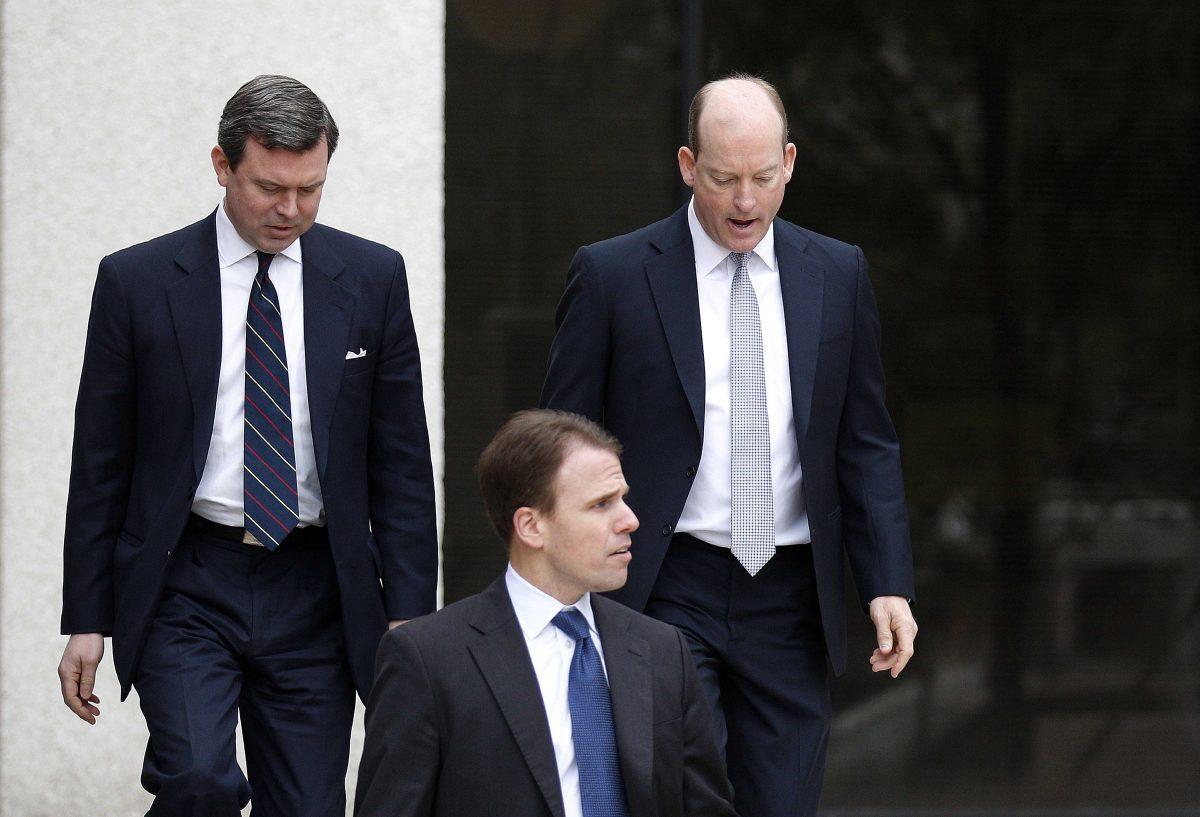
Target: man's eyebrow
[716,171]
[265,182]
[615,492]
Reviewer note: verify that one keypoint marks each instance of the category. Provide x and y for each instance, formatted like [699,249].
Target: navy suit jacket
[628,353]
[144,418]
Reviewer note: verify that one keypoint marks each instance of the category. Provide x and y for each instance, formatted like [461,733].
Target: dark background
[1023,178]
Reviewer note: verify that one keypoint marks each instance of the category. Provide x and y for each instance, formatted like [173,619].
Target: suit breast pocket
[836,342]
[358,366]
[833,368]
[357,383]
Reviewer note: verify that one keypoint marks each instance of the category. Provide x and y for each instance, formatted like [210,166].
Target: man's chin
[615,581]
[742,241]
[274,241]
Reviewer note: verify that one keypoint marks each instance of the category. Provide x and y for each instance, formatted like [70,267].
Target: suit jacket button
[667,529]
[691,471]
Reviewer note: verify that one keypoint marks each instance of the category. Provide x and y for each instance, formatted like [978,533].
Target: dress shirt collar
[231,247]
[535,609]
[710,255]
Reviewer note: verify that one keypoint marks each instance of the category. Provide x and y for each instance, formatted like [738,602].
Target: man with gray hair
[251,502]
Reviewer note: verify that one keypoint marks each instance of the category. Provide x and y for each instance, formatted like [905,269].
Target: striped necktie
[753,500]
[272,505]
[601,786]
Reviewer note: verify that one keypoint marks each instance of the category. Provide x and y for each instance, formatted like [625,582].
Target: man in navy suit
[736,358]
[538,697]
[251,502]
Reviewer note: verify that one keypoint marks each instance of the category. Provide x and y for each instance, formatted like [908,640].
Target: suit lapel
[672,279]
[195,304]
[503,659]
[627,660]
[802,285]
[328,315]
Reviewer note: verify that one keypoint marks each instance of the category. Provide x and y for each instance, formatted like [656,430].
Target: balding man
[736,358]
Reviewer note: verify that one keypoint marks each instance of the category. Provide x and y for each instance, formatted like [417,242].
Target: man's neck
[532,572]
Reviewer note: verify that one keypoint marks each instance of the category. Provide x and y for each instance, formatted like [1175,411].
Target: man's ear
[527,527]
[789,161]
[221,165]
[687,166]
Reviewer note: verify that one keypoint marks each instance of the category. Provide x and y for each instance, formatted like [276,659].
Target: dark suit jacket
[144,418]
[629,354]
[456,725]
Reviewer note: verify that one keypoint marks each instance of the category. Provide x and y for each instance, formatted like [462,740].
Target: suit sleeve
[870,482]
[101,460]
[403,516]
[576,377]
[706,790]
[397,776]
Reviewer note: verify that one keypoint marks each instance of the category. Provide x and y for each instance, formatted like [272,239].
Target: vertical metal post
[691,67]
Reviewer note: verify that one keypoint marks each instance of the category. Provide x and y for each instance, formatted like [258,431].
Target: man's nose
[743,198]
[629,521]
[287,205]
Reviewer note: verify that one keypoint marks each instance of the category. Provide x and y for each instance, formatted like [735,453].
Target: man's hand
[394,623]
[77,674]
[895,631]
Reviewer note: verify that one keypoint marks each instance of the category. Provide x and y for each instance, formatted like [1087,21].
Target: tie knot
[572,622]
[741,261]
[264,262]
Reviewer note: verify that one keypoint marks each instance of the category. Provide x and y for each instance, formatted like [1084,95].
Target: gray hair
[277,112]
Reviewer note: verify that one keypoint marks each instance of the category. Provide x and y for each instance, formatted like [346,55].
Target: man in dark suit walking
[736,358]
[537,696]
[251,501]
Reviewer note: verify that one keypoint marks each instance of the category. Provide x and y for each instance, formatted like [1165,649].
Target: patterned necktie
[272,505]
[601,787]
[753,501]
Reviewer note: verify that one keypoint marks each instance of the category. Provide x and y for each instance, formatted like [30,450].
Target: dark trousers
[243,631]
[760,655]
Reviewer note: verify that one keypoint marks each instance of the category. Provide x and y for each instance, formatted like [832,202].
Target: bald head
[738,160]
[739,101]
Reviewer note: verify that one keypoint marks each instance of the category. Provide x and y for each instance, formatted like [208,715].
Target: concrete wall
[109,110]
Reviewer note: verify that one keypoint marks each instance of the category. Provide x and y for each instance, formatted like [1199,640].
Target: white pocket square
[353,355]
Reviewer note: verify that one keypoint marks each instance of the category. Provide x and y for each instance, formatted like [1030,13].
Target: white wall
[109,110]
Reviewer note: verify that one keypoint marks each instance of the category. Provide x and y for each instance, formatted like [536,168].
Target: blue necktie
[601,789]
[272,505]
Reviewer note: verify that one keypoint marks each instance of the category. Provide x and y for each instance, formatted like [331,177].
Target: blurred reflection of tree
[1023,177]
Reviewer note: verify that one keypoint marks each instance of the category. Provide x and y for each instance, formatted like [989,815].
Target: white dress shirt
[219,497]
[551,650]
[706,514]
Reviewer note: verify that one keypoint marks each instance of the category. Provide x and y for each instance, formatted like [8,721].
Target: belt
[692,541]
[208,527]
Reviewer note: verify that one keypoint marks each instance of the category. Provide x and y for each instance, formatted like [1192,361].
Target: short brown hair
[697,106]
[519,465]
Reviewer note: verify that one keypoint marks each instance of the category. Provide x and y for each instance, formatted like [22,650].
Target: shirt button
[667,529]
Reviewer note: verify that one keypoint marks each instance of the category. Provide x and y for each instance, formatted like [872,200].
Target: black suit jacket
[456,723]
[629,354]
[144,418]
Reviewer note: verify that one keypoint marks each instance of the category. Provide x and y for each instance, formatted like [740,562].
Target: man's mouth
[742,224]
